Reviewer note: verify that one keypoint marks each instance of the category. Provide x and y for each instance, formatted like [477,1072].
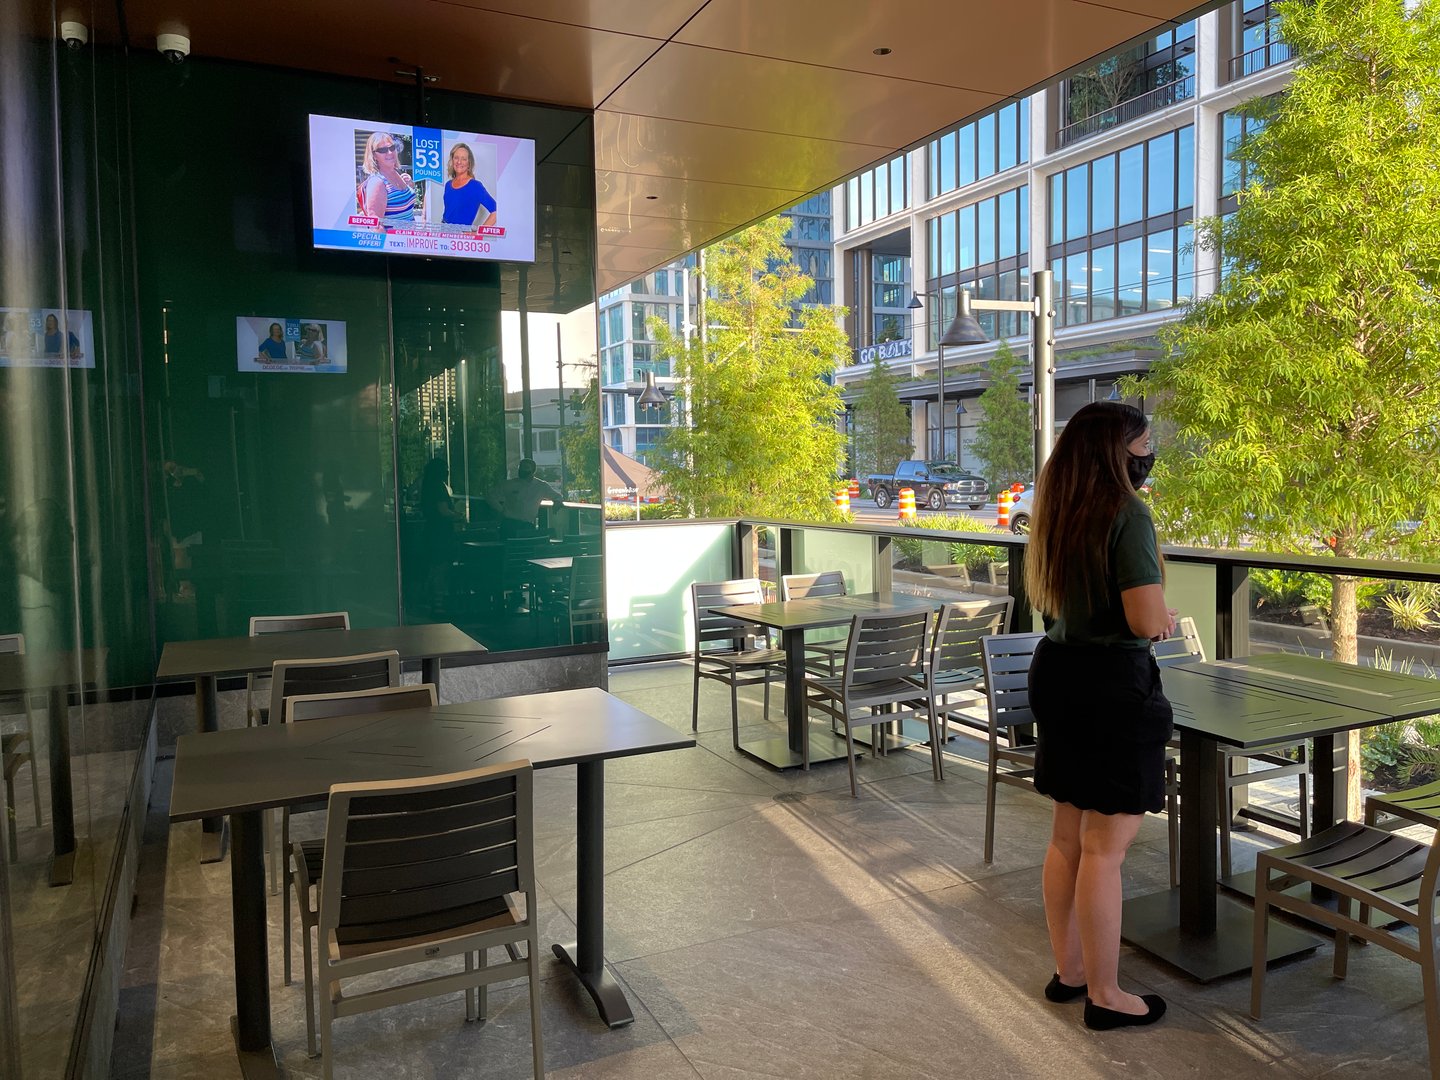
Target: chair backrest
[381,699]
[284,624]
[1185,645]
[587,582]
[710,627]
[1007,678]
[803,586]
[331,675]
[408,858]
[886,647]
[955,648]
[12,644]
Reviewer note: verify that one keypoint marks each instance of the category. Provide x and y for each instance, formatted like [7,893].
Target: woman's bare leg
[1062,862]
[1104,839]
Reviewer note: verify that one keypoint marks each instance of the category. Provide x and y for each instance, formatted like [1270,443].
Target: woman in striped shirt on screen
[386,193]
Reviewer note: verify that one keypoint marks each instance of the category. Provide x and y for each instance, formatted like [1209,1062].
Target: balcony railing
[1247,64]
[1150,101]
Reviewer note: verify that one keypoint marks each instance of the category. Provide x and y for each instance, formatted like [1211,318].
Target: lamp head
[965,329]
[652,394]
[914,304]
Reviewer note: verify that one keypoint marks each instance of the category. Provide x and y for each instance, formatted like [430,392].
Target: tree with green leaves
[881,423]
[580,445]
[1299,405]
[761,438]
[1005,434]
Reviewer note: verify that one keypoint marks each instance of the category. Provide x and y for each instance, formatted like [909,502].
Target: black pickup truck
[937,485]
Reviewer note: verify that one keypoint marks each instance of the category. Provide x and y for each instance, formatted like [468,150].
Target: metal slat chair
[17,749]
[740,660]
[327,675]
[1006,662]
[955,663]
[826,652]
[1275,758]
[1364,865]
[422,871]
[283,624]
[884,658]
[304,859]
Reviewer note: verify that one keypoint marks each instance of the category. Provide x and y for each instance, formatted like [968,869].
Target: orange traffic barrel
[907,504]
[854,489]
[1002,513]
[842,499]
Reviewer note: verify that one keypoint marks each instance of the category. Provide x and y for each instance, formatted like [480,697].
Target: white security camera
[74,34]
[174,47]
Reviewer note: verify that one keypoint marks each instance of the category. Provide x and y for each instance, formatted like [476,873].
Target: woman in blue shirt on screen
[465,195]
[273,347]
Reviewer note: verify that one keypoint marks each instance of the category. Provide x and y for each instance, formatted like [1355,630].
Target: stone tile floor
[766,924]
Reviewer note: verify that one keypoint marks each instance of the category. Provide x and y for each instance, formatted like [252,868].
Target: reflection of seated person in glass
[311,349]
[464,194]
[437,508]
[518,501]
[53,340]
[272,348]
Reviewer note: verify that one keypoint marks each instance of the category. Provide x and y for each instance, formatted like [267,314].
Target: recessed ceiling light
[882,51]
[652,198]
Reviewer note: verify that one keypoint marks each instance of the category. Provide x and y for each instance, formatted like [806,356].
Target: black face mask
[1138,468]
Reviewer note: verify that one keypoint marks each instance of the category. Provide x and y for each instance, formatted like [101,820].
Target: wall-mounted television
[406,190]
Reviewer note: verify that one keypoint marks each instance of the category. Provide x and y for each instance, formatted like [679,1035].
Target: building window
[1255,30]
[1235,129]
[1120,234]
[1152,75]
[997,141]
[877,193]
[983,247]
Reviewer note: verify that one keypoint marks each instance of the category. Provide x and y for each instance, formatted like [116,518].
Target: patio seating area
[766,923]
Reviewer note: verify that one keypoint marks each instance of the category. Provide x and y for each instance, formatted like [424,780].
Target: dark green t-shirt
[1133,562]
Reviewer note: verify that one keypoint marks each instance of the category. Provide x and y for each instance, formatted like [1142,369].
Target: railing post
[883,565]
[1022,618]
[785,552]
[742,553]
[1232,611]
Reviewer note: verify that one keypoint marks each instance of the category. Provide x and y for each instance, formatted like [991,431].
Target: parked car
[1020,513]
[937,485]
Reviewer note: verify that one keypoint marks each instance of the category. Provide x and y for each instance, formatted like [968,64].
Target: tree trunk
[1344,621]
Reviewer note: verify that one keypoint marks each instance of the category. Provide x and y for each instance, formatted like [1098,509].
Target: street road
[865,510]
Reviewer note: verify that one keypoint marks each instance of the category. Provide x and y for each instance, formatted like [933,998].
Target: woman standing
[465,195]
[386,193]
[1093,569]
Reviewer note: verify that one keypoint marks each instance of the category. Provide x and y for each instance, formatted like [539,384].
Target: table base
[1152,923]
[62,869]
[254,1064]
[601,985]
[776,751]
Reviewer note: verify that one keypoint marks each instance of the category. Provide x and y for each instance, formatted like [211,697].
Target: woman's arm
[488,221]
[1146,613]
[375,197]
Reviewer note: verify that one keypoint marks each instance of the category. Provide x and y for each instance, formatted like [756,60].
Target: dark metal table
[792,618]
[206,660]
[1248,703]
[56,674]
[243,772]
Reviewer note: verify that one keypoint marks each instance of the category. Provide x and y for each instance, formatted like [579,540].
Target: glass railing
[1150,101]
[1268,55]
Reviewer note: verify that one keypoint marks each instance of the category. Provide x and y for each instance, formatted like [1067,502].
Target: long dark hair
[1080,490]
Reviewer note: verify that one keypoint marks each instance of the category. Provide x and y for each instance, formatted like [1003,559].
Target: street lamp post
[965,330]
[954,335]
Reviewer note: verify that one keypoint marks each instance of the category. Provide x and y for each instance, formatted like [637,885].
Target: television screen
[279,343]
[410,190]
[46,337]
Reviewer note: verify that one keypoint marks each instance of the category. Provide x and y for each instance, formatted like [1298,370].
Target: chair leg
[327,1020]
[767,695]
[695,700]
[34,761]
[10,819]
[990,786]
[1226,804]
[470,1014]
[290,877]
[1342,938]
[482,961]
[1172,811]
[734,717]
[935,756]
[309,988]
[537,1046]
[1430,973]
[1304,779]
[1260,939]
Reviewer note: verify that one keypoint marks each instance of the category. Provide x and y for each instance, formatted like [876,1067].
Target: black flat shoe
[1101,1019]
[1060,992]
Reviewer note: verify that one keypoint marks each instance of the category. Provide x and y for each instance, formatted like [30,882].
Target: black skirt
[1103,723]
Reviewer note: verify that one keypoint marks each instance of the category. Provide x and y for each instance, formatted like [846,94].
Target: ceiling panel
[651,146]
[629,193]
[474,51]
[973,47]
[631,230]
[646,18]
[761,94]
